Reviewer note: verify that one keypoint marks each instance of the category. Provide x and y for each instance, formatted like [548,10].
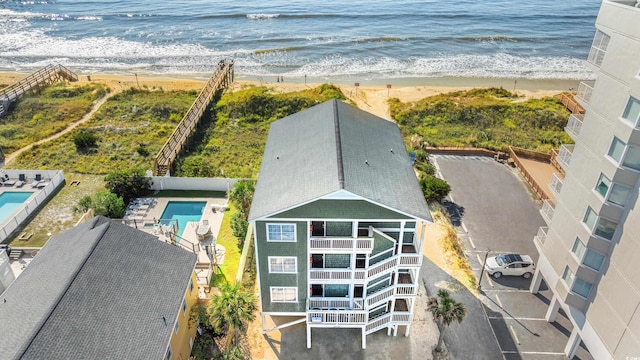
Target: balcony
[326,303]
[574,125]
[564,156]
[598,48]
[555,185]
[337,274]
[548,207]
[584,91]
[337,317]
[542,235]
[341,244]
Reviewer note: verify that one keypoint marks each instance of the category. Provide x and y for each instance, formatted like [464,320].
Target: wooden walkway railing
[570,103]
[45,76]
[222,77]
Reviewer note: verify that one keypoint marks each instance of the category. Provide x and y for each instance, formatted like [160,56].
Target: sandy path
[96,105]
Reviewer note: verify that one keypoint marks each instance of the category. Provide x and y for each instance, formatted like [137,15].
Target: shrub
[128,184]
[142,150]
[103,203]
[239,227]
[85,140]
[434,189]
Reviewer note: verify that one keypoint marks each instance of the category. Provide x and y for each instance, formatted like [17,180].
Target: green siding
[380,225]
[267,280]
[408,238]
[339,228]
[410,225]
[340,209]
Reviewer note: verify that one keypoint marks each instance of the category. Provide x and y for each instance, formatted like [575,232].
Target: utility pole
[484,262]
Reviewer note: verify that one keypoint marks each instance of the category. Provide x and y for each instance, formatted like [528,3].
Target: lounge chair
[19,183]
[9,183]
[42,184]
[38,177]
[22,177]
[35,183]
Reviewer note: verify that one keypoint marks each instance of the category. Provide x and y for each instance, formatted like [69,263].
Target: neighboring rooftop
[331,147]
[101,290]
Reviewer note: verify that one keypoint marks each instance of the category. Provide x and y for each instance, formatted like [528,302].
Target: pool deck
[146,215]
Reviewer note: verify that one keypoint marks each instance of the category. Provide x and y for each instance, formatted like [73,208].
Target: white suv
[510,264]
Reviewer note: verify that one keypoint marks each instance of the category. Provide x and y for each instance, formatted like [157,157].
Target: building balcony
[337,274]
[555,185]
[574,125]
[548,207]
[337,317]
[541,237]
[333,303]
[564,156]
[364,245]
[584,91]
[596,55]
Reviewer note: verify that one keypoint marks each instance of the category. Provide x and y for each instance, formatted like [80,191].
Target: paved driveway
[494,212]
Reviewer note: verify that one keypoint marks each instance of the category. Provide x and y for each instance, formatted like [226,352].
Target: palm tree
[445,310]
[230,312]
[242,194]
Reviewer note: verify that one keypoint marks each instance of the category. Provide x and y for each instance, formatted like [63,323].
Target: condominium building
[588,253]
[338,219]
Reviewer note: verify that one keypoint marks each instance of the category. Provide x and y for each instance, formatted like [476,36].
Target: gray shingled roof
[97,291]
[334,146]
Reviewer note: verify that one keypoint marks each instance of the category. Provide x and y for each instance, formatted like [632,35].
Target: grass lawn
[57,215]
[229,269]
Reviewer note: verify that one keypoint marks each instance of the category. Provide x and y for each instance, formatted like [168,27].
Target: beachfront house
[339,222]
[101,290]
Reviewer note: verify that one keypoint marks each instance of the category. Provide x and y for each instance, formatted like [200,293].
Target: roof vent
[277,157]
[366,162]
[165,320]
[392,151]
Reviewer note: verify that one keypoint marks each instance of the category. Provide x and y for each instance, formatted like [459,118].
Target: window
[603,185]
[616,194]
[578,249]
[593,259]
[625,155]
[581,287]
[175,328]
[632,111]
[283,264]
[599,226]
[284,294]
[567,276]
[616,149]
[281,232]
[586,256]
[184,306]
[190,286]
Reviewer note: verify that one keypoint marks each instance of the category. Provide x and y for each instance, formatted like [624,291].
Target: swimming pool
[182,212]
[10,201]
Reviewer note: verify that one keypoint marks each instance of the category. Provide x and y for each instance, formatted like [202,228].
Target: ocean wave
[288,48]
[262,16]
[89,18]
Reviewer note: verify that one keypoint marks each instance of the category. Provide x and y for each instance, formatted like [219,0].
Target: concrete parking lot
[495,213]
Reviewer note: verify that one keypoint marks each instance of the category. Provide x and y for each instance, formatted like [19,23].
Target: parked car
[510,264]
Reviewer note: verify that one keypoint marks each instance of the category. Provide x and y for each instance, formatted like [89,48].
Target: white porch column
[308,336]
[364,337]
[388,330]
[536,282]
[573,343]
[406,330]
[552,311]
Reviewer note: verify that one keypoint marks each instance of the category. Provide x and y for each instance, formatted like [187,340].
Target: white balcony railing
[548,207]
[378,323]
[324,303]
[555,185]
[574,125]
[387,293]
[564,155]
[584,91]
[401,316]
[596,56]
[598,48]
[344,244]
[337,317]
[337,274]
[542,235]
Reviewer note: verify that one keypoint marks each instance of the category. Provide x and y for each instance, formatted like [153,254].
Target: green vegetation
[230,312]
[489,118]
[434,189]
[227,272]
[85,141]
[233,146]
[103,203]
[128,184]
[131,126]
[45,112]
[445,310]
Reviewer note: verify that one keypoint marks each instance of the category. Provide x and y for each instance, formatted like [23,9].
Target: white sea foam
[89,18]
[262,16]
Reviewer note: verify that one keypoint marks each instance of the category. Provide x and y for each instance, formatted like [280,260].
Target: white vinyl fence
[182,183]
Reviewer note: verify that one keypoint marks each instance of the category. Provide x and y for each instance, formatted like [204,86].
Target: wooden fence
[222,77]
[513,154]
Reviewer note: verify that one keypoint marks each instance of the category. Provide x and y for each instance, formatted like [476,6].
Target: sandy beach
[371,95]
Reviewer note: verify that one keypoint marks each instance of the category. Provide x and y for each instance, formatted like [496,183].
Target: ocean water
[536,39]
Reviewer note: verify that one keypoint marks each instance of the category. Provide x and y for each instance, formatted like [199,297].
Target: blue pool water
[182,212]
[10,201]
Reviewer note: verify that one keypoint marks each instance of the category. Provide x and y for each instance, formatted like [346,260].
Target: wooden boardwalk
[45,76]
[222,77]
[570,103]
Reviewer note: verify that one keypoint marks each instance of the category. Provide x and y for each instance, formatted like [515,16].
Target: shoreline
[371,94]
